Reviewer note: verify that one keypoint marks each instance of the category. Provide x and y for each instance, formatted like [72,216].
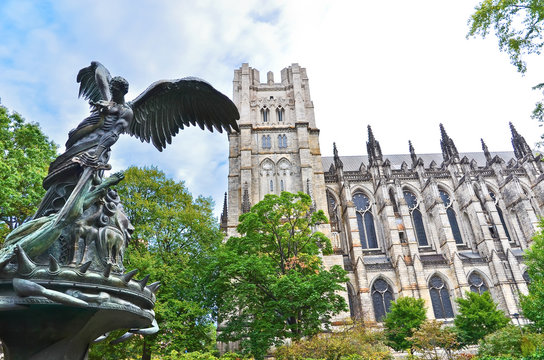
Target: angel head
[118,83]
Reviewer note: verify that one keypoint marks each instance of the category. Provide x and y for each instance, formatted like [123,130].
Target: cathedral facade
[429,226]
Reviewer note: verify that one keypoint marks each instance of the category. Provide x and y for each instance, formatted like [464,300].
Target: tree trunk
[146,351]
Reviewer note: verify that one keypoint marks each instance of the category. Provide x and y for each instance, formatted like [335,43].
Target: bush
[430,337]
[508,342]
[478,316]
[406,315]
[355,343]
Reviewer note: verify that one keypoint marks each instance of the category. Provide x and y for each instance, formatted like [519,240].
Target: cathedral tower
[277,148]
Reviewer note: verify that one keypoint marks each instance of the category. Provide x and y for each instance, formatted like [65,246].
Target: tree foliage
[511,343]
[432,338]
[174,236]
[269,284]
[353,342]
[533,303]
[518,25]
[24,161]
[478,316]
[406,315]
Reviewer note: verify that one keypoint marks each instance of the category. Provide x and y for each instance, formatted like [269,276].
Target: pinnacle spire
[521,149]
[224,214]
[337,162]
[487,154]
[246,206]
[412,152]
[449,151]
[373,148]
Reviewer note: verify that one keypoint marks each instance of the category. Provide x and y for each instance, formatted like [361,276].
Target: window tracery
[440,298]
[382,296]
[365,221]
[477,284]
[452,217]
[417,218]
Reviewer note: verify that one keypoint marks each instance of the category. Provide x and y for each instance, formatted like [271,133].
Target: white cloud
[402,67]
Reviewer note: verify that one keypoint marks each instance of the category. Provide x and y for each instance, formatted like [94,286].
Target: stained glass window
[417,219]
[382,296]
[440,298]
[365,221]
[452,218]
[477,284]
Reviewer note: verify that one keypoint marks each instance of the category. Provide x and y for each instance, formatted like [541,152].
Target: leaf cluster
[354,342]
[432,336]
[478,316]
[269,284]
[517,25]
[174,236]
[406,315]
[510,342]
[26,155]
[533,303]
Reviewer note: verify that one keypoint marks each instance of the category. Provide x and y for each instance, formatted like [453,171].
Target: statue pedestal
[36,328]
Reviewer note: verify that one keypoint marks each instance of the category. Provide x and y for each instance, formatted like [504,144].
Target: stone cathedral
[430,226]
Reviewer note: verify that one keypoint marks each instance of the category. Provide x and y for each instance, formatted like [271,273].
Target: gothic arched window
[282,141]
[382,296]
[365,221]
[271,186]
[501,217]
[280,113]
[452,218]
[266,143]
[440,298]
[477,284]
[265,114]
[417,219]
[282,187]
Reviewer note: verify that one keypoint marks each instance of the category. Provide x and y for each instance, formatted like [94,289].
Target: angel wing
[168,106]
[94,82]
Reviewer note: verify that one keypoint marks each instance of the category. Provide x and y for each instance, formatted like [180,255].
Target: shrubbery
[355,343]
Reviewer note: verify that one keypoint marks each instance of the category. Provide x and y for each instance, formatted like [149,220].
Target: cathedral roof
[353,163]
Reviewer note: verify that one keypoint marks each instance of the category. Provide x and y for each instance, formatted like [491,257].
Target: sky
[402,67]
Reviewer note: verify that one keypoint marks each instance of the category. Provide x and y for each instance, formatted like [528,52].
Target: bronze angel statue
[154,116]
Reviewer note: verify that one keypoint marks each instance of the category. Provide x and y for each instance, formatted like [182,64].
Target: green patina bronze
[62,280]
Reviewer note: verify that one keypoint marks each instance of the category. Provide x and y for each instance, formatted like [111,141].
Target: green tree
[533,303]
[174,236]
[270,284]
[518,25]
[24,161]
[406,315]
[478,316]
[432,336]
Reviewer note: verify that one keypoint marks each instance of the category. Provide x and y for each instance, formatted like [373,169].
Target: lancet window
[365,221]
[440,298]
[452,217]
[266,143]
[382,296]
[265,114]
[477,284]
[280,113]
[501,217]
[282,141]
[417,219]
